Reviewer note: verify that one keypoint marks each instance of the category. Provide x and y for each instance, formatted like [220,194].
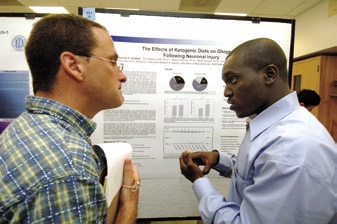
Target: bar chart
[177,107]
[189,108]
[202,108]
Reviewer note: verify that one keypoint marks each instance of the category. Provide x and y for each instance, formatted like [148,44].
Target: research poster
[174,95]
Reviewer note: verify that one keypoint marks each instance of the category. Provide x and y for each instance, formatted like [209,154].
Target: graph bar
[207,112]
[174,110]
[200,112]
[181,110]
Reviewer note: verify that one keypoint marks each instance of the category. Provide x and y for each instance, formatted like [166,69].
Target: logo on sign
[19,42]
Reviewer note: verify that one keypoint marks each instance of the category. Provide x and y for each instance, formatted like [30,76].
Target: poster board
[174,96]
[162,114]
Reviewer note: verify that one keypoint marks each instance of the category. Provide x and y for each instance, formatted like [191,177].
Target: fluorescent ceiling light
[40,9]
[230,14]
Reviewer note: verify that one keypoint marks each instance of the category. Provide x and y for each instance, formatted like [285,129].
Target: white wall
[315,30]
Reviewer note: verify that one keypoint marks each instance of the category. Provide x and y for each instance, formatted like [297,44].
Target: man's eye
[232,80]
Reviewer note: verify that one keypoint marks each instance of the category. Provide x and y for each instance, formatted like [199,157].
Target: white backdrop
[174,98]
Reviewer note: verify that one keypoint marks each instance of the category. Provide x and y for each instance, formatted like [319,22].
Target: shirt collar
[273,114]
[40,105]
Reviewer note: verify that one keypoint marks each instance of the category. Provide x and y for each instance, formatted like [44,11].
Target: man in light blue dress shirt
[286,168]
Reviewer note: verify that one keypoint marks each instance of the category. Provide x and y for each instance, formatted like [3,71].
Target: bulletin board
[174,96]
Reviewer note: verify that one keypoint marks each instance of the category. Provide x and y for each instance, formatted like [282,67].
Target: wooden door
[306,75]
[328,93]
[319,74]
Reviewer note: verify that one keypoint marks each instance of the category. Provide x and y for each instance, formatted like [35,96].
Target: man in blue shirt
[285,171]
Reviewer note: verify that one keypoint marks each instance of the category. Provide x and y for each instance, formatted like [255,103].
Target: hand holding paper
[123,204]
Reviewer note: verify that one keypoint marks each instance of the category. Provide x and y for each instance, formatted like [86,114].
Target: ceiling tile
[303,7]
[10,2]
[40,2]
[159,5]
[81,3]
[277,7]
[132,4]
[238,6]
[199,5]
[16,9]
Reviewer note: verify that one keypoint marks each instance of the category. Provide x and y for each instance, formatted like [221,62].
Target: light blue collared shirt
[285,172]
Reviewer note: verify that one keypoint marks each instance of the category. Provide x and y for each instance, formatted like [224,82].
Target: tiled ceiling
[261,8]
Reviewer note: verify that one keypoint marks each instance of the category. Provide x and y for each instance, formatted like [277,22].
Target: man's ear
[71,65]
[271,73]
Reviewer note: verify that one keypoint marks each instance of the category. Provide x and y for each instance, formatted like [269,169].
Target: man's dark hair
[308,97]
[261,52]
[51,36]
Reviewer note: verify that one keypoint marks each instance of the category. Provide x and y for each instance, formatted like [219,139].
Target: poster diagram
[200,83]
[195,139]
[177,83]
[189,108]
